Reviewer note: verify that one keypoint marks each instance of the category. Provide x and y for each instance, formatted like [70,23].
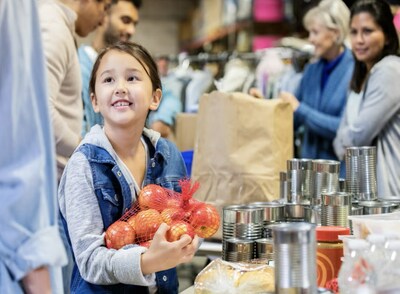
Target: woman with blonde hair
[321,97]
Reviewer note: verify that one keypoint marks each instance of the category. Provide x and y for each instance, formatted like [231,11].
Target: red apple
[189,206]
[153,196]
[147,223]
[172,214]
[205,220]
[132,221]
[177,229]
[174,202]
[119,234]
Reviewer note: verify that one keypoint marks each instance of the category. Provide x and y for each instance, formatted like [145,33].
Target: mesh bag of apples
[155,205]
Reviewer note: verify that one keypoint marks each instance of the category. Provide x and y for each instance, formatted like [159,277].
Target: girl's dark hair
[380,11]
[139,53]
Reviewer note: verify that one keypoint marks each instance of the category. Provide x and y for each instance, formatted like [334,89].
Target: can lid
[330,233]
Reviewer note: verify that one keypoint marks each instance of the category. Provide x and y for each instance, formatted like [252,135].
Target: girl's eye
[132,78]
[108,80]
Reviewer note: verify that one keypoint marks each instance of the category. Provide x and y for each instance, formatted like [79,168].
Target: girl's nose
[121,88]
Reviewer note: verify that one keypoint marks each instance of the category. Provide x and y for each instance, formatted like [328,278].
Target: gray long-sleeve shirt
[79,206]
[378,117]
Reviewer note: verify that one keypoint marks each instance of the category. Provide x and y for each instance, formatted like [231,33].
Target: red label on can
[328,262]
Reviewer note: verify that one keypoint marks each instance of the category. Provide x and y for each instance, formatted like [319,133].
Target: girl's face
[123,90]
[324,40]
[367,38]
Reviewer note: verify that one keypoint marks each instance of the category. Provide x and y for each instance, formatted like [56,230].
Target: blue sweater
[320,111]
[90,118]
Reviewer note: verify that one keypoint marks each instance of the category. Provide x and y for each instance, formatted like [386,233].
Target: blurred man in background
[60,22]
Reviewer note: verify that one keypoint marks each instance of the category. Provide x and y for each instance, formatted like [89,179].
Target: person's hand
[256,93]
[288,97]
[163,255]
[161,127]
[37,281]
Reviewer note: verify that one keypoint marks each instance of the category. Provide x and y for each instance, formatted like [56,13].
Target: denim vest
[166,168]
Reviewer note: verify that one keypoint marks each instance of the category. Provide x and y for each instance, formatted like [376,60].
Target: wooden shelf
[283,28]
[218,34]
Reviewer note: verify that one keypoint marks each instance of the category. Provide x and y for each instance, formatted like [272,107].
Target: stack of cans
[335,209]
[272,213]
[325,178]
[361,172]
[299,178]
[265,249]
[242,223]
[239,250]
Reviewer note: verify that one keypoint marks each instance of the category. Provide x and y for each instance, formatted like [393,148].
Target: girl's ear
[156,99]
[94,102]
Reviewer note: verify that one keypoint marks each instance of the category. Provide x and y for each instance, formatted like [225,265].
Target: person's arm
[161,127]
[96,263]
[37,281]
[338,145]
[321,123]
[380,103]
[163,118]
[90,118]
[59,50]
[29,238]
[323,120]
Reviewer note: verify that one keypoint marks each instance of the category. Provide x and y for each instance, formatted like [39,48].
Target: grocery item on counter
[156,205]
[387,223]
[329,252]
[227,277]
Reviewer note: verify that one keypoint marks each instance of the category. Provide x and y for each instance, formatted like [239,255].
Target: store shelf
[217,34]
[282,28]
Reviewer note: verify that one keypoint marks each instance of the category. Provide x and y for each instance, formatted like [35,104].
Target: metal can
[295,258]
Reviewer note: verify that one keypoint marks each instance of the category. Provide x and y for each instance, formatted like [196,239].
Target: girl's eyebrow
[132,69]
[107,71]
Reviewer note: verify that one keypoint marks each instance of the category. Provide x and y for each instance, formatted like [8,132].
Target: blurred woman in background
[372,115]
[319,102]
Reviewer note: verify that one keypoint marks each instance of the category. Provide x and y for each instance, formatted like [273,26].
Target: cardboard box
[185,130]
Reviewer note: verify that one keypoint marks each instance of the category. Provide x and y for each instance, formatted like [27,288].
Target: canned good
[376,207]
[329,252]
[295,258]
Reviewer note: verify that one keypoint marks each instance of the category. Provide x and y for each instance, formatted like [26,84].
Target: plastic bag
[387,223]
[228,277]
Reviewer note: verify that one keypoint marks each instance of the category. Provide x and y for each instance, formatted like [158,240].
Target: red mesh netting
[333,285]
[155,205]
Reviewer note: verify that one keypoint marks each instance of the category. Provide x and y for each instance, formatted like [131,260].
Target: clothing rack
[184,60]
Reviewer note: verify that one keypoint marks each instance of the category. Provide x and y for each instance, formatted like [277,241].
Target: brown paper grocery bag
[242,144]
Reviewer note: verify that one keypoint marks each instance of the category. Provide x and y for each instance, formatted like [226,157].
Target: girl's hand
[288,97]
[163,255]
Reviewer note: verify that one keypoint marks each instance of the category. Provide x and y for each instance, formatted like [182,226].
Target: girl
[107,171]
[372,115]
